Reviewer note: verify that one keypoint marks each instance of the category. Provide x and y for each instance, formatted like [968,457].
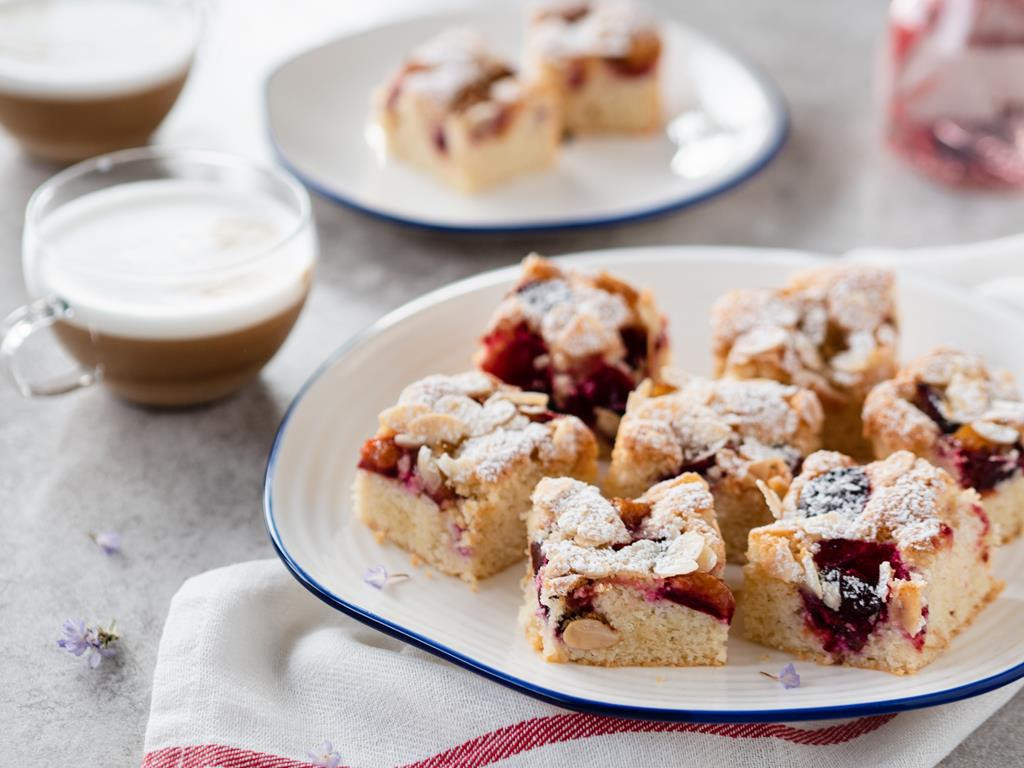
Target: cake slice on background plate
[602,58]
[875,566]
[448,475]
[457,110]
[626,582]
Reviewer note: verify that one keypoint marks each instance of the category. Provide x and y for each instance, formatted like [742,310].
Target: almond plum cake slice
[732,432]
[587,341]
[875,566]
[448,475]
[459,111]
[619,582]
[949,408]
[602,57]
[832,330]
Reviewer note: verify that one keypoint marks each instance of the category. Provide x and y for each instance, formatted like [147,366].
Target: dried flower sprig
[108,541]
[377,576]
[788,677]
[96,643]
[326,756]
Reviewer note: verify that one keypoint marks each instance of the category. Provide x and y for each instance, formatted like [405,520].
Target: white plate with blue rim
[309,513]
[725,120]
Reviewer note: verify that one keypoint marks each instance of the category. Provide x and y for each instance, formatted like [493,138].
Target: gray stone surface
[184,488]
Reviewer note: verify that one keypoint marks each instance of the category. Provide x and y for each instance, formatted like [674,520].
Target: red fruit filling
[384,457]
[980,466]
[511,355]
[853,565]
[519,356]
[975,463]
[701,592]
[929,401]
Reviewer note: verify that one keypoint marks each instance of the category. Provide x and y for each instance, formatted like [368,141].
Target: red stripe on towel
[526,735]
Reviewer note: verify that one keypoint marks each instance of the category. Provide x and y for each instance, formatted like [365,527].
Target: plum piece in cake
[832,330]
[448,475]
[620,582]
[875,566]
[949,408]
[457,110]
[733,433]
[587,341]
[602,57]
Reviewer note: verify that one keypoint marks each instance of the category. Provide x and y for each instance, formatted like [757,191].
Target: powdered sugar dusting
[900,501]
[477,428]
[762,418]
[824,329]
[582,534]
[606,29]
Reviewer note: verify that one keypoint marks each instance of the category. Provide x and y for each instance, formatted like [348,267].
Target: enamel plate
[309,514]
[725,121]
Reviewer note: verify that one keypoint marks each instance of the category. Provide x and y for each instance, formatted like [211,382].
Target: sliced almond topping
[909,607]
[408,441]
[538,399]
[771,499]
[397,417]
[884,574]
[996,433]
[681,556]
[707,559]
[565,438]
[589,635]
[428,470]
[434,428]
[811,575]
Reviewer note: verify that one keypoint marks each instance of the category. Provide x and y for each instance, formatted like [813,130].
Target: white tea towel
[253,671]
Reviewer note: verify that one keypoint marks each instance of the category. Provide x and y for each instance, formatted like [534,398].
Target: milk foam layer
[171,259]
[86,48]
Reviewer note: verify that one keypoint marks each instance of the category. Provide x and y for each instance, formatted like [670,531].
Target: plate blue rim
[550,696]
[781,129]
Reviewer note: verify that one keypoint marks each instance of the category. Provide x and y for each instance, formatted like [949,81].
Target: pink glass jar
[956,89]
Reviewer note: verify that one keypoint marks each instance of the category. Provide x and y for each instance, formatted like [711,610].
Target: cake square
[832,330]
[448,475]
[588,341]
[626,582]
[733,433]
[602,58]
[874,566]
[460,112]
[949,408]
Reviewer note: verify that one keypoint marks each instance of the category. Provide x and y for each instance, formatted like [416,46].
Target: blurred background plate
[725,121]
[309,514]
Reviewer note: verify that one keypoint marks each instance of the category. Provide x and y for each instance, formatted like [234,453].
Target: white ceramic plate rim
[561,698]
[778,134]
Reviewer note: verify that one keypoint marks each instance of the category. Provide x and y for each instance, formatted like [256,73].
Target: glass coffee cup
[171,276]
[82,77]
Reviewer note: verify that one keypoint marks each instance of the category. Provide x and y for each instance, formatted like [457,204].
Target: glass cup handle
[21,324]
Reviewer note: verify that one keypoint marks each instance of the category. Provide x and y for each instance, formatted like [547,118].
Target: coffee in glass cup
[82,77]
[171,276]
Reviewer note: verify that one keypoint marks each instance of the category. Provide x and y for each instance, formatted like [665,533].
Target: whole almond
[589,635]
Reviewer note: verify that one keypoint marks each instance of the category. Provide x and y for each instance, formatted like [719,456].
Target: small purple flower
[108,541]
[75,640]
[96,642]
[789,677]
[377,576]
[326,757]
